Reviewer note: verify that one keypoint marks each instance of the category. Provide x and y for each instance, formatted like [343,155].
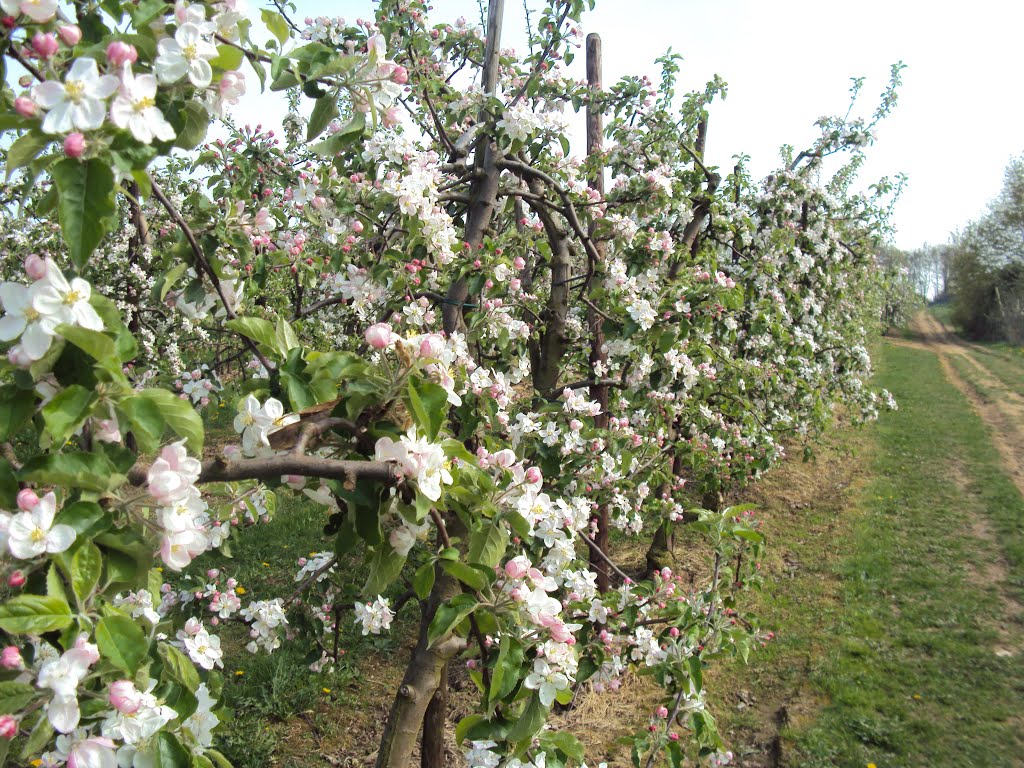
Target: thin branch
[603,556]
[201,262]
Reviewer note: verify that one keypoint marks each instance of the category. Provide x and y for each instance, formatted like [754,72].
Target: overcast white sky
[787,62]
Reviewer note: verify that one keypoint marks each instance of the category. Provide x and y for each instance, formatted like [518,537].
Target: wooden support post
[598,354]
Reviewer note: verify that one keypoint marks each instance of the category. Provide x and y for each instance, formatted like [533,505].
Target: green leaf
[34,615]
[25,149]
[284,337]
[218,759]
[178,666]
[385,565]
[529,722]
[84,471]
[145,421]
[423,580]
[97,345]
[505,674]
[349,133]
[324,111]
[16,409]
[54,584]
[487,546]
[122,642]
[179,416]
[86,569]
[167,281]
[66,412]
[14,696]
[467,574]
[86,205]
[428,403]
[169,752]
[228,57]
[465,725]
[259,330]
[38,738]
[276,24]
[8,485]
[565,742]
[87,518]
[449,615]
[194,121]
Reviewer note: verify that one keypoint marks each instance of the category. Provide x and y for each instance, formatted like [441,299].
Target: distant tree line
[982,270]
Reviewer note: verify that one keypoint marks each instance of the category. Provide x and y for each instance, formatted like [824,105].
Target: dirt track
[1000,408]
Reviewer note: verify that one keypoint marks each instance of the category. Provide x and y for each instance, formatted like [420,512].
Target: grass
[890,630]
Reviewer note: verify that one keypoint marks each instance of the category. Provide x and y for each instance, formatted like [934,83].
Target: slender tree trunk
[484,190]
[434,721]
[423,677]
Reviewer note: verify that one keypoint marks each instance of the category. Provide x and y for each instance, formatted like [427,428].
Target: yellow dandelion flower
[239,672]
[239,590]
[326,690]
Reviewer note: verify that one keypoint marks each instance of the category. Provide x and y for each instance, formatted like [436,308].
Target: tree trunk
[432,746]
[423,677]
[484,190]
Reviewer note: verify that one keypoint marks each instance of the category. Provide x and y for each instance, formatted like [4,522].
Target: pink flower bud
[533,475]
[379,336]
[27,499]
[45,44]
[400,75]
[674,632]
[518,262]
[35,267]
[431,346]
[124,697]
[213,573]
[516,569]
[70,34]
[661,712]
[74,144]
[118,53]
[25,107]
[8,727]
[357,226]
[16,580]
[10,658]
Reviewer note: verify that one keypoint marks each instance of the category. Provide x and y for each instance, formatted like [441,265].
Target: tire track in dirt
[1004,415]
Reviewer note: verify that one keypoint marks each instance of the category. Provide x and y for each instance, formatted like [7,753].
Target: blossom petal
[60,538]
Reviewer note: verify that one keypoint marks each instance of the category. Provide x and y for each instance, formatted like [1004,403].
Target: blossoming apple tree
[435,321]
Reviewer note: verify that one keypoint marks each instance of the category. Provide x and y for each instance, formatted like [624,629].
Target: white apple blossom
[187,53]
[63,675]
[134,108]
[200,724]
[375,617]
[32,533]
[23,320]
[79,103]
[419,459]
[141,724]
[59,301]
[266,617]
[255,422]
[173,475]
[547,681]
[40,11]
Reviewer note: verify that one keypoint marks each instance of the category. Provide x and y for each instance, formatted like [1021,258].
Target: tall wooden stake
[598,354]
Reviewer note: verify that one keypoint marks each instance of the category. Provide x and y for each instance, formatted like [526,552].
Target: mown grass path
[895,586]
